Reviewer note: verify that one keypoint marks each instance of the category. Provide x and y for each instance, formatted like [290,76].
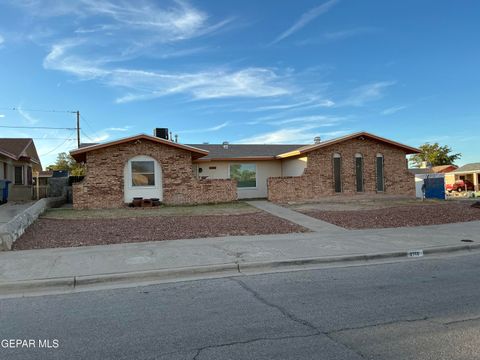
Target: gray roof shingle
[468,167]
[216,151]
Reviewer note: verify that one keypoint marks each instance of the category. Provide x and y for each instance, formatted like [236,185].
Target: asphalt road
[419,309]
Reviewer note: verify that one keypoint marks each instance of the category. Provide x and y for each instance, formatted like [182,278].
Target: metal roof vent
[316,139]
[225,144]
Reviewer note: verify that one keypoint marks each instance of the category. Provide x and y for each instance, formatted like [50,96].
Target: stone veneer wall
[103,186]
[317,179]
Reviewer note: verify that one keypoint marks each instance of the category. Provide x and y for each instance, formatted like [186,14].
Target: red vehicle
[459,186]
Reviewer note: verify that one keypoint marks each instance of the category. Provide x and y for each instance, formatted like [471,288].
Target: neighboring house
[18,161]
[153,167]
[424,182]
[444,169]
[470,172]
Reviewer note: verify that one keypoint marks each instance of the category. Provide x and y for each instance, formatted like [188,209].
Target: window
[143,173]
[380,173]
[359,172]
[245,174]
[337,172]
[18,175]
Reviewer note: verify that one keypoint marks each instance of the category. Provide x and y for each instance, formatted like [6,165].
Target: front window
[359,172]
[337,173]
[380,173]
[18,175]
[245,174]
[143,173]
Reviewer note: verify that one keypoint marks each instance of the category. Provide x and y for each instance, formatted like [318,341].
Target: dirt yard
[69,228]
[360,202]
[414,214]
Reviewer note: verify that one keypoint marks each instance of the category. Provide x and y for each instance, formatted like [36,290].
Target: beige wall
[294,167]
[265,169]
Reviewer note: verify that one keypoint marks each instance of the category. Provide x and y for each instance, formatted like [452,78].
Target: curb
[21,287]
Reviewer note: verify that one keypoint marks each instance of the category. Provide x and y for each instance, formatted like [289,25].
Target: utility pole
[78,129]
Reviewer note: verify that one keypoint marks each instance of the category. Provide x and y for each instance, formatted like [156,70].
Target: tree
[435,155]
[66,162]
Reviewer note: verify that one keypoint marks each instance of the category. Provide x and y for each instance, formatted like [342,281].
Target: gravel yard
[398,216]
[48,232]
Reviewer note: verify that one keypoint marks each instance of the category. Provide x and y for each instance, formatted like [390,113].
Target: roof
[359,135]
[46,173]
[418,171]
[444,168]
[80,154]
[472,167]
[244,151]
[19,148]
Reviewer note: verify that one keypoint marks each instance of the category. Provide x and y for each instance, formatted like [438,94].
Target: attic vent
[161,133]
[316,139]
[225,144]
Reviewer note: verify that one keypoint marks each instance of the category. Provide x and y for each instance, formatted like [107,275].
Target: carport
[469,172]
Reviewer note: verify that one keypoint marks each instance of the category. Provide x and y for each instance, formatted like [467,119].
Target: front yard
[68,227]
[389,213]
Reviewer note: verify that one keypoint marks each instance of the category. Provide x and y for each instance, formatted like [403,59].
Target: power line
[46,138]
[36,127]
[87,122]
[55,148]
[12,108]
[88,137]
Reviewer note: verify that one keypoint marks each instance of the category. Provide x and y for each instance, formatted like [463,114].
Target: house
[18,161]
[154,167]
[443,169]
[469,172]
[424,180]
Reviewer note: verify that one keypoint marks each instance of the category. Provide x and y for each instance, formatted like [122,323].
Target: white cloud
[317,120]
[307,17]
[124,128]
[303,134]
[25,115]
[2,115]
[301,104]
[210,129]
[2,40]
[343,34]
[366,93]
[393,109]
[250,82]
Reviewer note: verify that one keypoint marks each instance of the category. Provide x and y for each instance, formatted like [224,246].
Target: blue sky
[242,71]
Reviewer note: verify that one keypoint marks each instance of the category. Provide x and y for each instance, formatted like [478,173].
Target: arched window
[337,172]
[359,172]
[380,173]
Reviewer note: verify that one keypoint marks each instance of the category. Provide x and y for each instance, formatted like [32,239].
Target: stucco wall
[265,169]
[103,184]
[294,167]
[317,180]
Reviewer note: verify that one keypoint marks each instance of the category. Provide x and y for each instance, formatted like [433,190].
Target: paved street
[422,309]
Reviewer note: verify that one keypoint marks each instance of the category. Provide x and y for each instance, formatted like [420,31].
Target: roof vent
[161,133]
[225,144]
[316,139]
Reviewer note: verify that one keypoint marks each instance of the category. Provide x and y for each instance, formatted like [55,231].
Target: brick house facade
[103,185]
[317,180]
[359,163]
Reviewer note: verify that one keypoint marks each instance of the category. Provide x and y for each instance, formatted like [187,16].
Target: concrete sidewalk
[308,222]
[10,210]
[177,258]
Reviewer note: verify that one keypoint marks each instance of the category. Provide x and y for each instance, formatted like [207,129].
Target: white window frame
[130,172]
[256,176]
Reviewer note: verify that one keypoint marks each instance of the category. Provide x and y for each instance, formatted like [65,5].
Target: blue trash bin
[4,190]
